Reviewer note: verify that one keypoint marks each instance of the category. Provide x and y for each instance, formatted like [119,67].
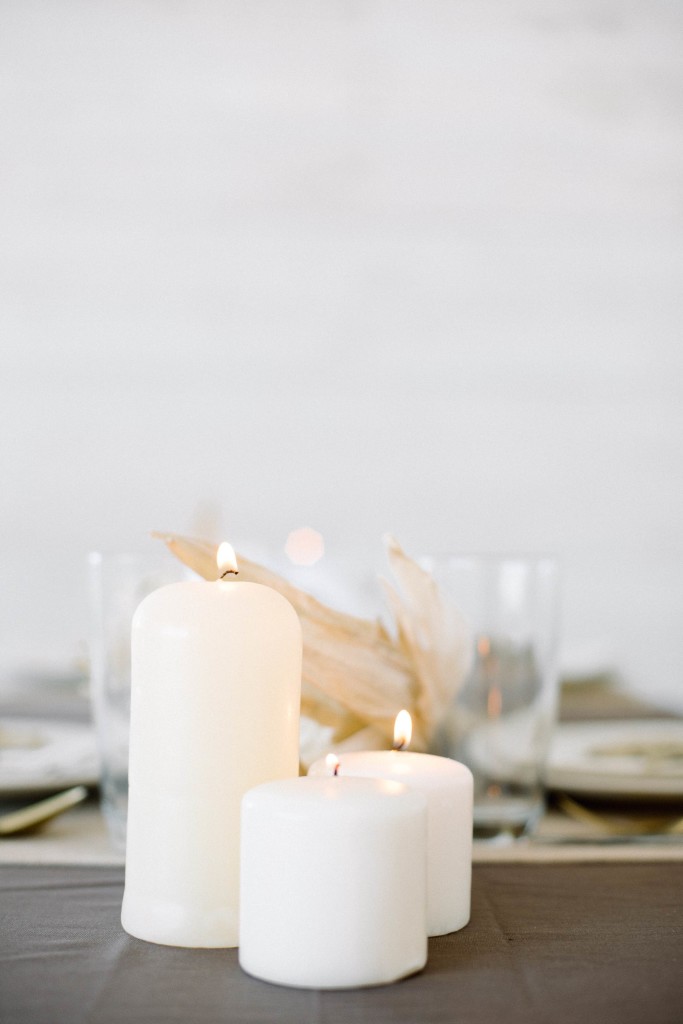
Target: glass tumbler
[501,720]
[117,585]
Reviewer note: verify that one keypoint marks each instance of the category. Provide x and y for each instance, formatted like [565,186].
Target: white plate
[44,754]
[642,758]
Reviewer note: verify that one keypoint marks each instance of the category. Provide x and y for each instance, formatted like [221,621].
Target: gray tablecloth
[552,943]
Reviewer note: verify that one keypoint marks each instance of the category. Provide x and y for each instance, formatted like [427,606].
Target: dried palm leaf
[431,632]
[356,676]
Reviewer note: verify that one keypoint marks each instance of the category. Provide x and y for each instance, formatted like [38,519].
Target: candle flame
[332,762]
[403,730]
[225,559]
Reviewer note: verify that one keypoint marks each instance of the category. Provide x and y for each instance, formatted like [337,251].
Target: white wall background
[362,265]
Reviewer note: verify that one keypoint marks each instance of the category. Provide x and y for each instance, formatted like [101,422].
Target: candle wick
[228,572]
[336,768]
[399,746]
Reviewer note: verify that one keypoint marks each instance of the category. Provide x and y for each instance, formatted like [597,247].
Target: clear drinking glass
[117,585]
[501,720]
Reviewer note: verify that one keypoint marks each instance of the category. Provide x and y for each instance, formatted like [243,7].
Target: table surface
[587,932]
[564,943]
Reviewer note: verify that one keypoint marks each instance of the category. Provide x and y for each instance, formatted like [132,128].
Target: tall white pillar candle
[447,788]
[333,891]
[216,675]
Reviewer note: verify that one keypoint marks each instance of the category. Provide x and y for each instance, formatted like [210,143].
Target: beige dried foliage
[356,675]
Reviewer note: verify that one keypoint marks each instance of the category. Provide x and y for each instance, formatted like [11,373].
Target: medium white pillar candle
[447,787]
[216,676]
[333,890]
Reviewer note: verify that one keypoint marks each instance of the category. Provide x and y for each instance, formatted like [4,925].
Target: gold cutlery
[35,814]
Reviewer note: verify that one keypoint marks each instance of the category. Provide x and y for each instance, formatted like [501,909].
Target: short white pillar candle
[333,882]
[216,680]
[447,787]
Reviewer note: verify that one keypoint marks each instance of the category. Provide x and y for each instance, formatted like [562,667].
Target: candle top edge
[393,764]
[186,597]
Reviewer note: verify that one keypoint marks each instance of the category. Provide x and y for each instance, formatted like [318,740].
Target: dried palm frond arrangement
[357,674]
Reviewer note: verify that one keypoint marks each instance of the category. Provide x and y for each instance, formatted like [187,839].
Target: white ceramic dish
[641,759]
[43,755]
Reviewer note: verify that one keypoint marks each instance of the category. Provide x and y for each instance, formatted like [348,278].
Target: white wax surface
[333,891]
[216,675]
[447,787]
